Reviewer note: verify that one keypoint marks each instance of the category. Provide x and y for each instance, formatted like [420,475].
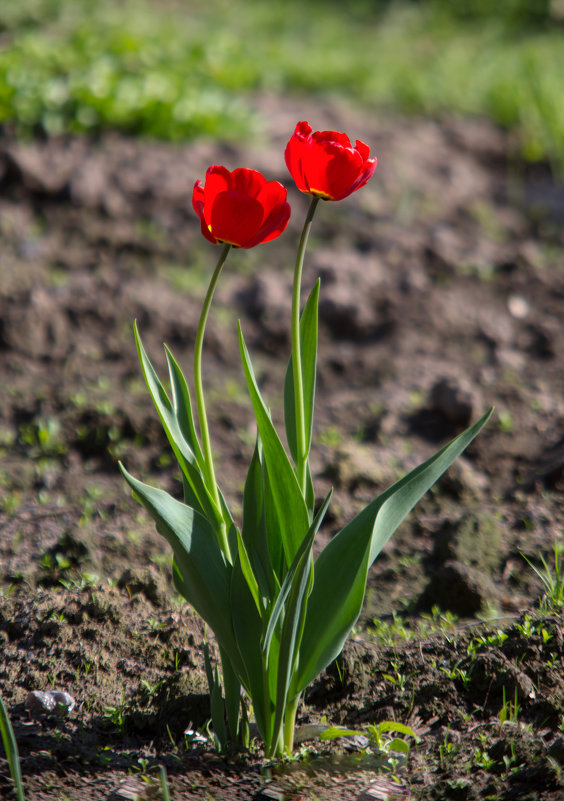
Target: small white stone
[518,307]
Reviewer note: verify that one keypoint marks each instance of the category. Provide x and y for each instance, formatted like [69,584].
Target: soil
[442,294]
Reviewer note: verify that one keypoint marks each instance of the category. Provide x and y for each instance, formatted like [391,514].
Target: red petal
[297,155]
[366,173]
[248,182]
[198,199]
[343,171]
[235,218]
[363,149]
[303,130]
[321,137]
[272,227]
[218,179]
[271,194]
[207,233]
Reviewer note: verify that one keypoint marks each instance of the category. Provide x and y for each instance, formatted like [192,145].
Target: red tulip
[240,208]
[325,164]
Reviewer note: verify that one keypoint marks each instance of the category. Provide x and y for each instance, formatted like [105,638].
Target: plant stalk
[301,443]
[290,723]
[209,471]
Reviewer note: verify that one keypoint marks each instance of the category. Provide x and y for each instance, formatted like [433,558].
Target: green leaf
[286,587]
[234,703]
[204,575]
[254,532]
[248,574]
[398,744]
[308,340]
[179,428]
[248,629]
[392,725]
[290,508]
[341,569]
[292,630]
[11,748]
[217,703]
[299,582]
[182,405]
[334,732]
[274,537]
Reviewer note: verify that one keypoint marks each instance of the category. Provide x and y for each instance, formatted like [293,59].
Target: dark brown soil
[442,294]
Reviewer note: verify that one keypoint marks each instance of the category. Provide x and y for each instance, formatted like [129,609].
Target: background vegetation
[182,68]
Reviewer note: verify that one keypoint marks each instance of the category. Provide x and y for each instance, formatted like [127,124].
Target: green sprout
[11,749]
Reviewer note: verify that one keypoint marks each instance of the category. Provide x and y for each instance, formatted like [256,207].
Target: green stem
[301,443]
[290,723]
[209,471]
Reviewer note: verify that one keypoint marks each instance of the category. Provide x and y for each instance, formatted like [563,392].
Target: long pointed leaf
[205,575]
[248,573]
[308,341]
[182,405]
[217,702]
[340,571]
[254,528]
[291,510]
[290,576]
[233,700]
[248,629]
[11,748]
[178,432]
[294,594]
[290,638]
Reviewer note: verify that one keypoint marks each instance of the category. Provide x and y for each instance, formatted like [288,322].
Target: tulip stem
[290,723]
[301,441]
[208,468]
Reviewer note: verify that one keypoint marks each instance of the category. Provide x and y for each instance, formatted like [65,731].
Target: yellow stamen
[319,193]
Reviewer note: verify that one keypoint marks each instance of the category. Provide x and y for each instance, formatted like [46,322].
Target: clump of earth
[442,294]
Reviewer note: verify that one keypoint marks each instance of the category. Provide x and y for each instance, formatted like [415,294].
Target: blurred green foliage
[182,68]
[520,14]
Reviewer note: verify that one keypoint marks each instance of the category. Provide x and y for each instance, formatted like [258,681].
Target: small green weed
[457,673]
[398,679]
[495,639]
[509,711]
[383,737]
[447,750]
[400,630]
[551,578]
[482,759]
[115,715]
[43,437]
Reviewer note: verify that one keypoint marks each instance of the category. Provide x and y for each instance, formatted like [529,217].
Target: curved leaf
[290,508]
[204,575]
[178,425]
[341,569]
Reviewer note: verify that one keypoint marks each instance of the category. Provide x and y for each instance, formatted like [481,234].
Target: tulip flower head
[240,208]
[325,164]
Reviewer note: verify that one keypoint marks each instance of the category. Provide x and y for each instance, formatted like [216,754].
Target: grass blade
[164,783]
[11,749]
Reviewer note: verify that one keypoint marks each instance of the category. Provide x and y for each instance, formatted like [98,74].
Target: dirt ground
[442,294]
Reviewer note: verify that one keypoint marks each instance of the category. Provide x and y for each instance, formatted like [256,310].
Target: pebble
[518,307]
[47,701]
